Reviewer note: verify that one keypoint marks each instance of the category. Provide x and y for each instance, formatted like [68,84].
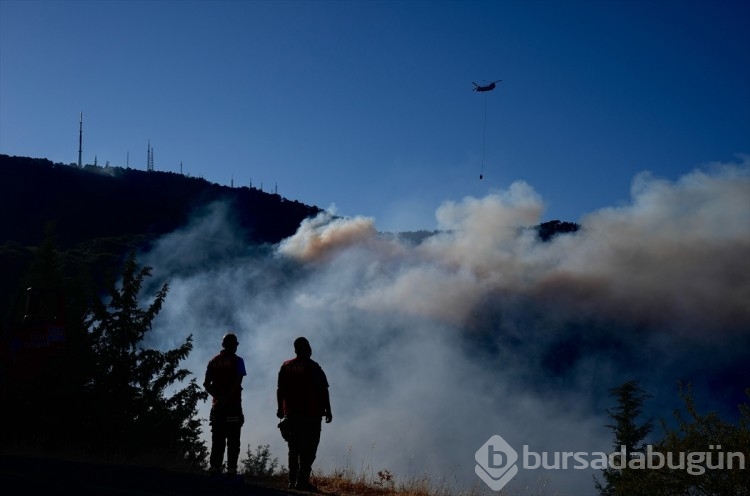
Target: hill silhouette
[99,202]
[97,214]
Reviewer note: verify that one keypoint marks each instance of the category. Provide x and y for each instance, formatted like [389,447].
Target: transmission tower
[149,157]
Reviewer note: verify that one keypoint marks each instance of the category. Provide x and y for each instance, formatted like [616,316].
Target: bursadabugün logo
[496,462]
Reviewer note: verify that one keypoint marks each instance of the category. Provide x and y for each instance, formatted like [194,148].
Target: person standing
[303,400]
[223,382]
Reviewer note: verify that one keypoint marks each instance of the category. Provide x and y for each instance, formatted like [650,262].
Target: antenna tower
[149,157]
[80,140]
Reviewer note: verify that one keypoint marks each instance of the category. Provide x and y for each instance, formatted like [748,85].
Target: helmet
[229,339]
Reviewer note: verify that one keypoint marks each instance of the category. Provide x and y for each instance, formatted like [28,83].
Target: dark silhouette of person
[302,397]
[224,383]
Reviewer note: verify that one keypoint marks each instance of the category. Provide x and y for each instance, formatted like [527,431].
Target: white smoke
[324,235]
[482,329]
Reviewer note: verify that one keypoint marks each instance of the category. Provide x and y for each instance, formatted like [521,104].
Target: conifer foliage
[134,407]
[702,455]
[628,433]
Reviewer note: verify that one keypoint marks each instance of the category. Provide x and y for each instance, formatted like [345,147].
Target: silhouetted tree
[548,230]
[131,413]
[693,459]
[628,433]
[708,434]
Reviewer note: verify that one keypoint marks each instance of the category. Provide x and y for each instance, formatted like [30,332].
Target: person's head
[302,348]
[230,342]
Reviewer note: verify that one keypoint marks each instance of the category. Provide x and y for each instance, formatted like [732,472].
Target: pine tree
[628,434]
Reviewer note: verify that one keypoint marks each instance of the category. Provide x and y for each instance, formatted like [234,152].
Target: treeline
[101,202]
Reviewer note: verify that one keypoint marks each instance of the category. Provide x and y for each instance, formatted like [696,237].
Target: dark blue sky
[368,106]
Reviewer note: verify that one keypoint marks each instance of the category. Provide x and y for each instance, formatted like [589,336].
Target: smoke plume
[432,347]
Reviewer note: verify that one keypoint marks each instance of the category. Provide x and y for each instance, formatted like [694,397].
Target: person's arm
[324,396]
[279,397]
[327,406]
[208,383]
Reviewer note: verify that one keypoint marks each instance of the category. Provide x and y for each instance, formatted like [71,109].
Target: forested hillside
[98,202]
[95,215]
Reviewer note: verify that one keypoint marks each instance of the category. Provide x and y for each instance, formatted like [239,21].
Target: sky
[366,108]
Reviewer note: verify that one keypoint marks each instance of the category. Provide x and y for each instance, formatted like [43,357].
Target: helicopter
[488,87]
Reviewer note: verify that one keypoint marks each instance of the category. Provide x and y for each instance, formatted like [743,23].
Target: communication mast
[149,157]
[80,141]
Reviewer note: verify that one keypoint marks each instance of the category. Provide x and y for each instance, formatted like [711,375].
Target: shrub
[259,464]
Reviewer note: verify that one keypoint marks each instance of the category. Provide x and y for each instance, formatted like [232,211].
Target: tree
[712,436]
[628,435]
[693,458]
[130,411]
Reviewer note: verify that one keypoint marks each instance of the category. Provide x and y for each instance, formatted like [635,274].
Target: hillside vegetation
[96,215]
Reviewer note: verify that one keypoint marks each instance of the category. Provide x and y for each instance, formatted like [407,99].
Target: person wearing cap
[303,400]
[223,382]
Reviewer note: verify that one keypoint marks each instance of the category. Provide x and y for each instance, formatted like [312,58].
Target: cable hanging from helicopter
[484,89]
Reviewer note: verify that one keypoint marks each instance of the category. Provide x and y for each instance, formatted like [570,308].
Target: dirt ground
[42,476]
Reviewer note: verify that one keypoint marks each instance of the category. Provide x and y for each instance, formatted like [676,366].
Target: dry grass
[347,481]
[386,484]
[340,483]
